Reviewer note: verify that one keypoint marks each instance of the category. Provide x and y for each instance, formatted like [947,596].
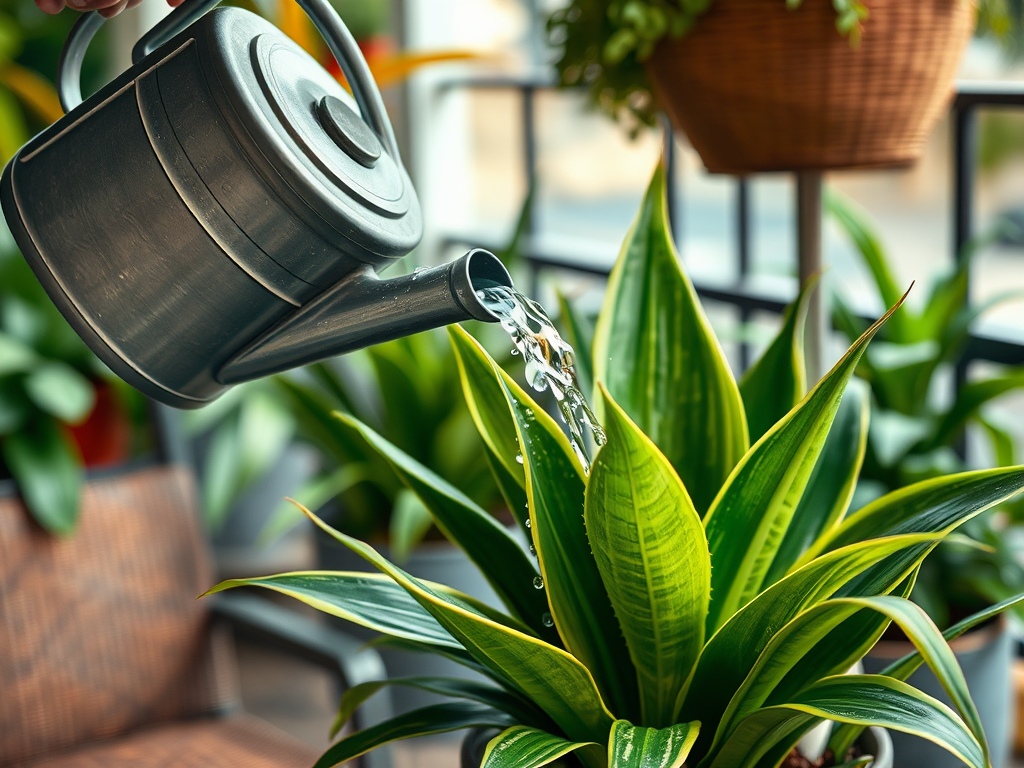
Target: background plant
[915,432]
[603,44]
[620,637]
[48,377]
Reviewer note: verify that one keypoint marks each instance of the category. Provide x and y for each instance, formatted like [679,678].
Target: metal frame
[1004,348]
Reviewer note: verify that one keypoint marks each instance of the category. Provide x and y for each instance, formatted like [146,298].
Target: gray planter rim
[968,642]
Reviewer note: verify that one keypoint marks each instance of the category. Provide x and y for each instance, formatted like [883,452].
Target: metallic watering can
[220,211]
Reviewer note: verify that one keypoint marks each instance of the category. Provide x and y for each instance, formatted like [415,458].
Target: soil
[796,760]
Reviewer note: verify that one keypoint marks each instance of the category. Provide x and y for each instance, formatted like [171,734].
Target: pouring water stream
[549,362]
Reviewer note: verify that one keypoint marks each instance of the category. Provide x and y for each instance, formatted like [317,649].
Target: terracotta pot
[985,655]
[757,87]
[104,438]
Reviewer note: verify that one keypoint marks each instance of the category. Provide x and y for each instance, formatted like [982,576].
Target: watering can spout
[364,309]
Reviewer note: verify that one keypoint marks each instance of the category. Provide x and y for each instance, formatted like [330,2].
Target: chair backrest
[101,632]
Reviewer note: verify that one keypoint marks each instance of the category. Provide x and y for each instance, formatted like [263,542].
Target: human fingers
[111,11]
[50,6]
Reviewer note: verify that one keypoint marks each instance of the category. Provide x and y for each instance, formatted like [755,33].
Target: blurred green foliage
[47,374]
[914,433]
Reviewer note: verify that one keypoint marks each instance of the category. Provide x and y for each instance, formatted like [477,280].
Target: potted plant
[772,85]
[621,645]
[913,438]
[61,411]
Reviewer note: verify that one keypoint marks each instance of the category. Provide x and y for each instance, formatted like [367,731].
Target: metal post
[809,259]
[529,127]
[964,130]
[743,255]
[671,193]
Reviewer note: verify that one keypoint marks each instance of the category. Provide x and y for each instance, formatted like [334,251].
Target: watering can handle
[340,41]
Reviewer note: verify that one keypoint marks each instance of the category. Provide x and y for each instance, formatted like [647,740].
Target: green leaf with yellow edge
[553,479]
[489,545]
[730,655]
[650,549]
[553,679]
[456,688]
[656,353]
[486,400]
[511,491]
[778,380]
[793,641]
[833,480]
[751,515]
[860,699]
[371,600]
[901,669]
[580,606]
[522,747]
[633,746]
[931,505]
[437,718]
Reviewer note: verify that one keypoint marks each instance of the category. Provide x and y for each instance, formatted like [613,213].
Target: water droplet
[529,524]
[519,458]
[533,551]
[538,582]
[546,620]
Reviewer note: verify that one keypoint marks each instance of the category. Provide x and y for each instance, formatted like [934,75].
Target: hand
[107,8]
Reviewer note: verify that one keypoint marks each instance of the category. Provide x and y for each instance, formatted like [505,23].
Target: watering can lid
[298,118]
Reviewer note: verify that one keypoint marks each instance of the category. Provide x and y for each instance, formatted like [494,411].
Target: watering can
[220,211]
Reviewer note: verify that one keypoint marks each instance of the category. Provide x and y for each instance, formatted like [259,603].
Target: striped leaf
[778,380]
[791,644]
[860,699]
[638,747]
[486,400]
[650,549]
[437,718]
[580,606]
[489,545]
[512,704]
[522,747]
[732,652]
[901,669]
[371,600]
[832,482]
[656,353]
[550,677]
[750,517]
[932,505]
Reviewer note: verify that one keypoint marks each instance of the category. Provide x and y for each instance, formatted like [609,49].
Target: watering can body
[220,212]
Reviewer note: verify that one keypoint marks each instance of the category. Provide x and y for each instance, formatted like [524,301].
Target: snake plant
[694,599]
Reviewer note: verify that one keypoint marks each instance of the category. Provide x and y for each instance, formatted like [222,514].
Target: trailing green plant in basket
[693,599]
[603,44]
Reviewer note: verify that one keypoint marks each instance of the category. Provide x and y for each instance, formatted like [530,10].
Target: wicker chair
[106,657]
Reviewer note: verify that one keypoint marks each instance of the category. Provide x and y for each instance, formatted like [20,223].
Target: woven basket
[756,87]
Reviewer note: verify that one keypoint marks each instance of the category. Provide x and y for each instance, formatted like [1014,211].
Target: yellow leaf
[33,90]
[292,20]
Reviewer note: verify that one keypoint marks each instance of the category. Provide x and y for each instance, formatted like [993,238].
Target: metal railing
[1003,347]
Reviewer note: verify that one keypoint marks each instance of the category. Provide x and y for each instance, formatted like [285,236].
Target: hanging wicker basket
[757,87]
